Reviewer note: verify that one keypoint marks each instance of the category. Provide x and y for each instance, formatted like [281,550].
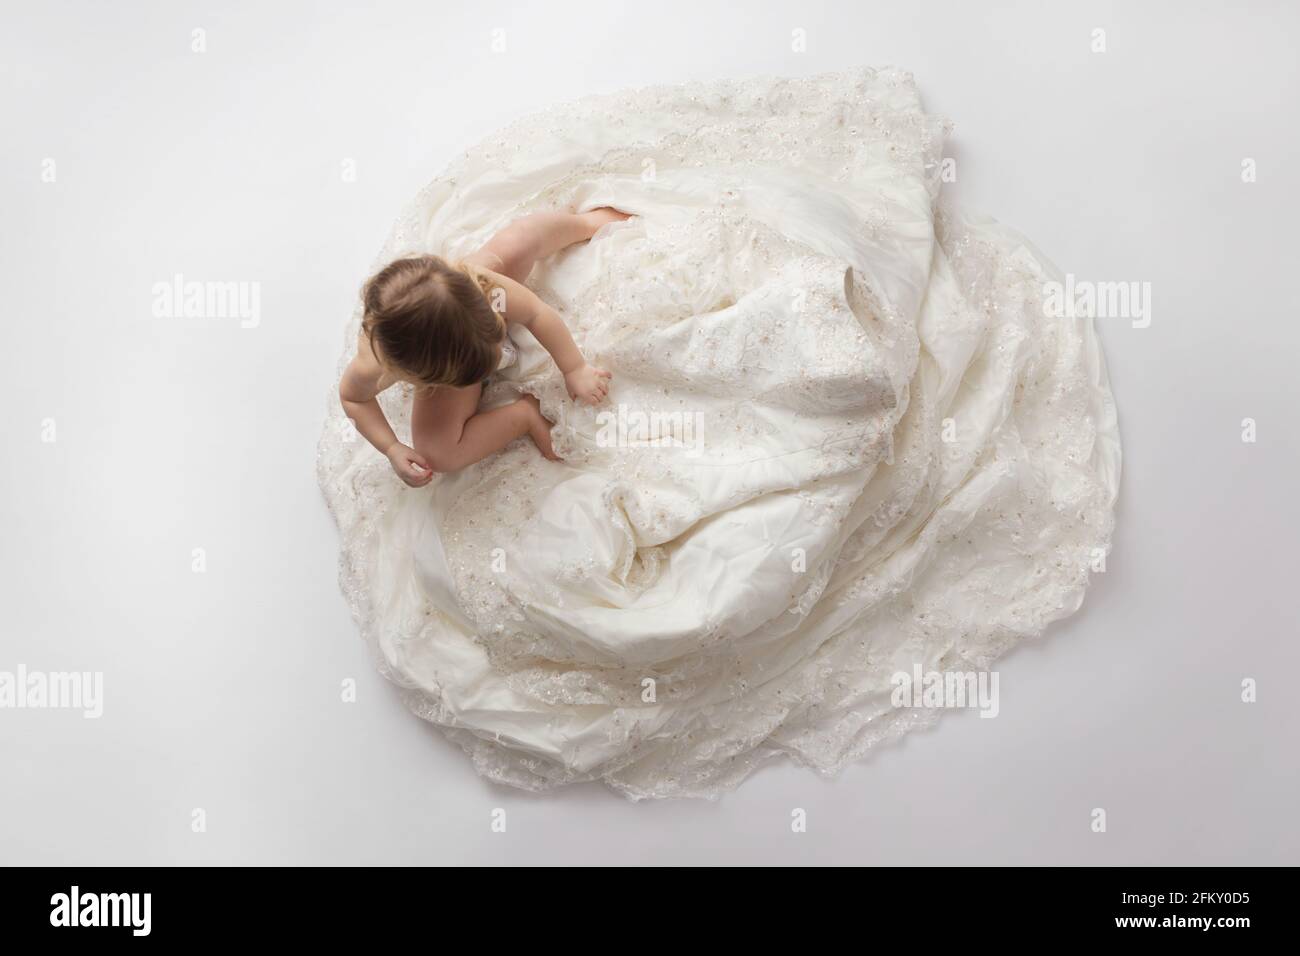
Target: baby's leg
[515,249]
[450,436]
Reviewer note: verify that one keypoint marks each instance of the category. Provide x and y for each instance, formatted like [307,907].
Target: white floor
[222,689]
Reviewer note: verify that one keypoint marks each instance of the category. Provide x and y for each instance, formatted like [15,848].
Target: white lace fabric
[894,458]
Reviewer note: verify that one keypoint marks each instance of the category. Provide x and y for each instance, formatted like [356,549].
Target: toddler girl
[442,327]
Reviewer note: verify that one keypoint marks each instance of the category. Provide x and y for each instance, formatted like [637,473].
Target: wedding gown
[843,440]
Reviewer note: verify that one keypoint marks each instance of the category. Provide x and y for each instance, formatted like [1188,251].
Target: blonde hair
[433,321]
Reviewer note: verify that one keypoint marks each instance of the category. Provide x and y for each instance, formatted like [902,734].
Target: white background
[222,690]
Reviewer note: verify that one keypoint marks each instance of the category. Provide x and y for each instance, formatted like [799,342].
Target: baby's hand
[409,465]
[588,384]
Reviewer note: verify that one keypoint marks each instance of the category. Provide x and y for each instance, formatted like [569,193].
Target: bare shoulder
[365,377]
[520,304]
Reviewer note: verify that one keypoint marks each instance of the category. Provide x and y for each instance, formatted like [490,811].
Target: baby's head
[431,322]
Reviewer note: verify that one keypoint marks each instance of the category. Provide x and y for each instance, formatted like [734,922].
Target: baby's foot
[603,216]
[539,429]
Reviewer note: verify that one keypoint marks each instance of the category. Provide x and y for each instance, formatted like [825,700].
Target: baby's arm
[585,382]
[362,381]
